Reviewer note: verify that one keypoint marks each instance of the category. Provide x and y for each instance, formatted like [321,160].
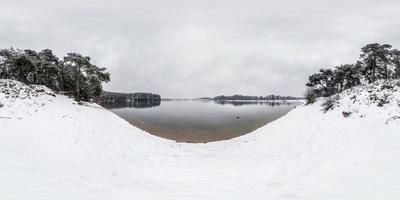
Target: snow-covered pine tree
[376,58]
[77,62]
[88,77]
[74,73]
[396,63]
[323,81]
[49,68]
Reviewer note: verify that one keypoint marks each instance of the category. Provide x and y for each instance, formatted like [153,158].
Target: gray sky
[195,48]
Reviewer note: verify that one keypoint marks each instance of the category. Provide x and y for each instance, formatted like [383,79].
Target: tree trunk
[34,78]
[386,72]
[62,79]
[21,75]
[373,71]
[45,78]
[397,70]
[77,92]
[3,73]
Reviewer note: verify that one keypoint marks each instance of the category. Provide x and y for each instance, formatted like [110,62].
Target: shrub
[329,102]
[311,96]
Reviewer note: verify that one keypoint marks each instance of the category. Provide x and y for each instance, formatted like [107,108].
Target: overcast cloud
[195,48]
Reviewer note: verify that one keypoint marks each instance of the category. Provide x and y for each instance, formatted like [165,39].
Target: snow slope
[52,148]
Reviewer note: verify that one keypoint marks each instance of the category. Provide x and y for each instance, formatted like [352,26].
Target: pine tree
[23,66]
[347,76]
[323,82]
[353,75]
[376,58]
[88,77]
[6,59]
[75,73]
[78,63]
[396,62]
[340,76]
[33,58]
[49,66]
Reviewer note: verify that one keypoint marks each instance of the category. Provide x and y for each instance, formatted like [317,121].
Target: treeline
[376,62]
[254,98]
[244,103]
[125,97]
[130,104]
[74,74]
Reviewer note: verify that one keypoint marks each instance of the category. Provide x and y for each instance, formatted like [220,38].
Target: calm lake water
[200,121]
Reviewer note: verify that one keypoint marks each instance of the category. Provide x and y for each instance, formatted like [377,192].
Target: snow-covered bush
[311,96]
[365,100]
[330,102]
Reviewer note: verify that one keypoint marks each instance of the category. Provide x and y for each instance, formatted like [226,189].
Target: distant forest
[120,97]
[256,98]
[244,103]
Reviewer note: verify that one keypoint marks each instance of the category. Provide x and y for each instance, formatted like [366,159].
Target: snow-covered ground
[52,148]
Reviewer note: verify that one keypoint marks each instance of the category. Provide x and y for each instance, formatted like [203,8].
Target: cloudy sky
[194,48]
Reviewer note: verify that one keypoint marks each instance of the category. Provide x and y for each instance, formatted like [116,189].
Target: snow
[53,148]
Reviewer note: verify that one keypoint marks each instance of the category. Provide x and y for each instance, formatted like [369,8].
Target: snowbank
[18,100]
[56,149]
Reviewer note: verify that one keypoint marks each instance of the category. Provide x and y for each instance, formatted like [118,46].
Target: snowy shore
[52,148]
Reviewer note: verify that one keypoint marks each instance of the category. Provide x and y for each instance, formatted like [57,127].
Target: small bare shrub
[311,96]
[330,102]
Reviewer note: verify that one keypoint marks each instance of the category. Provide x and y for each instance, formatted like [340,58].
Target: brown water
[200,121]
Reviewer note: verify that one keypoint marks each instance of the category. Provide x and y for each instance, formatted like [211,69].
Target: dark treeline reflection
[131,104]
[244,103]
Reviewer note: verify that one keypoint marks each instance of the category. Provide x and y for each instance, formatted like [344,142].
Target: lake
[197,121]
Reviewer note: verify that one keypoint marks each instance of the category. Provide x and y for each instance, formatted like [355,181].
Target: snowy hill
[18,100]
[53,148]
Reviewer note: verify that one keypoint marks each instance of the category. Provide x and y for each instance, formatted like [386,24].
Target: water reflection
[131,104]
[200,121]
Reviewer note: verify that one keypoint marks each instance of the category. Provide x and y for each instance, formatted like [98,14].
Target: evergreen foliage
[75,74]
[376,62]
